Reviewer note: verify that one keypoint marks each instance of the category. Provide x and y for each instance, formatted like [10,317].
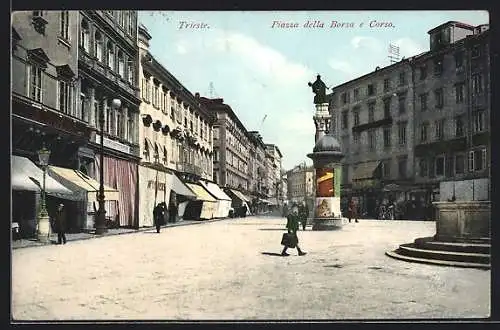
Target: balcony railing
[189,168]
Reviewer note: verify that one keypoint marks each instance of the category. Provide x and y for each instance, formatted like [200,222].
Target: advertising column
[327,193]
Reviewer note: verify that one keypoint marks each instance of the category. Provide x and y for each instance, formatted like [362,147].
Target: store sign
[159,185]
[113,144]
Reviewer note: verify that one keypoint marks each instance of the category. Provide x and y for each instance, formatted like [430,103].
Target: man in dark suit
[60,224]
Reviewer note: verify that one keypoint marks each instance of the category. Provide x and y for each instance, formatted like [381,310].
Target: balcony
[189,168]
[373,124]
[94,65]
[454,145]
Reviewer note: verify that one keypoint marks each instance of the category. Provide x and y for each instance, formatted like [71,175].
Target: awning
[180,188]
[240,195]
[215,190]
[82,184]
[365,170]
[201,193]
[25,175]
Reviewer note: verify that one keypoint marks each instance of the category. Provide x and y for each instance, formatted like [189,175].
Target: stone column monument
[326,158]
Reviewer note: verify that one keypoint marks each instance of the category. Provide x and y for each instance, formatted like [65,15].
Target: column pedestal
[43,233]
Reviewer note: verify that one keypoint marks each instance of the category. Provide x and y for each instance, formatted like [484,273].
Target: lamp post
[100,224]
[43,233]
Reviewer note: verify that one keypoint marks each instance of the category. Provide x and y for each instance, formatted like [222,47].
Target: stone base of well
[462,237]
[328,223]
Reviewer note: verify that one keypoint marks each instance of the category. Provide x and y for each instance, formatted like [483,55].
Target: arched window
[121,64]
[111,55]
[98,46]
[85,35]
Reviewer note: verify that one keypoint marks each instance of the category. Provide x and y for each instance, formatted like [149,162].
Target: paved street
[218,271]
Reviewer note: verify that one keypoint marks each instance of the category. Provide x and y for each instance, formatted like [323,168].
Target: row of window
[65,88]
[105,52]
[159,97]
[371,111]
[459,62]
[387,137]
[479,125]
[477,161]
[125,19]
[180,152]
[236,181]
[371,89]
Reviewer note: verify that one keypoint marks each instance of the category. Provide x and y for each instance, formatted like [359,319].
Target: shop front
[154,188]
[122,175]
[26,187]
[87,190]
[223,200]
[204,207]
[238,202]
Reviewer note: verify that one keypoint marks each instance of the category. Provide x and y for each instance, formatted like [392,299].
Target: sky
[260,62]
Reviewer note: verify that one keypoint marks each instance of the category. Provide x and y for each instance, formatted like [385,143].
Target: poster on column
[325,182]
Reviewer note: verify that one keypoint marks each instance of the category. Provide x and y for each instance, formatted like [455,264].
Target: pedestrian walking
[158,216]
[290,239]
[285,210]
[60,224]
[352,210]
[303,213]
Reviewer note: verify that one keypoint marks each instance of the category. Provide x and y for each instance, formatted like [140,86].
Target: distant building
[300,188]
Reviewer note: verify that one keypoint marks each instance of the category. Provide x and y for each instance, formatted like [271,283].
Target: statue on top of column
[318,88]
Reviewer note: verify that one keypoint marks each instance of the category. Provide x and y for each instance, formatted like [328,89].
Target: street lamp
[100,223]
[43,216]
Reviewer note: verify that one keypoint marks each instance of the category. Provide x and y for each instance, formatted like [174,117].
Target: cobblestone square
[227,270]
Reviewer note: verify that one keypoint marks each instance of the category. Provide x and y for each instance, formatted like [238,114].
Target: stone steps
[470,247]
[412,251]
[475,254]
[395,255]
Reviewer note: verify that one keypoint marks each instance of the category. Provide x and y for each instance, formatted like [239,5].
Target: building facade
[45,105]
[231,152]
[175,134]
[452,94]
[300,182]
[274,171]
[107,66]
[408,126]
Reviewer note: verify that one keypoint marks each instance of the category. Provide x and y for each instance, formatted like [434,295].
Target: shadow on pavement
[272,254]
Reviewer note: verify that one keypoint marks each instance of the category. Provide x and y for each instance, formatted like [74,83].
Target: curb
[133,231]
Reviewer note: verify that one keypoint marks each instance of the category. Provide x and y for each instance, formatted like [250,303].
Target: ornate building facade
[175,134]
